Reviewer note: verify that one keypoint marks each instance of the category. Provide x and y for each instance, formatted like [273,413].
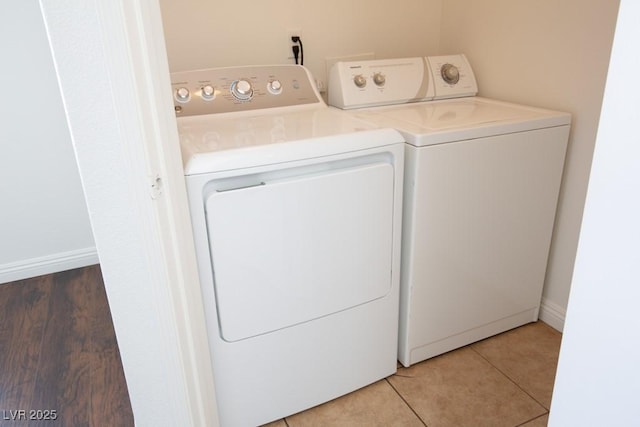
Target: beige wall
[552,54]
[201,34]
[546,53]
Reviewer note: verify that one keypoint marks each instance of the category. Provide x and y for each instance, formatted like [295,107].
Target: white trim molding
[552,314]
[48,264]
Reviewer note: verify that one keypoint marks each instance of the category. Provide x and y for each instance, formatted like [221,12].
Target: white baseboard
[552,314]
[54,263]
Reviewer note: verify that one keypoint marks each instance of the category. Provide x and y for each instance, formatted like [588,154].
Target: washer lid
[436,122]
[220,142]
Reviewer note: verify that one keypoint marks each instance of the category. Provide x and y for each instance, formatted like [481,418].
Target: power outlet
[291,33]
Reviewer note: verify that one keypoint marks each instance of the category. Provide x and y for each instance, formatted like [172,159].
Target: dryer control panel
[236,89]
[372,83]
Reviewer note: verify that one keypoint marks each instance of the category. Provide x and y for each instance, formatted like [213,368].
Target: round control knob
[275,87]
[450,73]
[183,94]
[208,92]
[242,90]
[360,81]
[379,79]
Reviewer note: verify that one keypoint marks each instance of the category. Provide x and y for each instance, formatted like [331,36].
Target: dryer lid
[225,142]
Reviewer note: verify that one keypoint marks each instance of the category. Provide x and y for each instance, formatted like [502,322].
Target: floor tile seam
[532,419]
[406,403]
[514,382]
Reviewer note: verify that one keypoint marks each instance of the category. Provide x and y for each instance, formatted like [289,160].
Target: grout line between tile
[406,403]
[510,379]
[532,419]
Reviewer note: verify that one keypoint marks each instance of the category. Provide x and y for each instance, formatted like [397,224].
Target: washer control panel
[372,83]
[452,76]
[379,82]
[234,89]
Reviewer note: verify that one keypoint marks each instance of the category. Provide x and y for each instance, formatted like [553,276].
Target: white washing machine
[482,179]
[296,212]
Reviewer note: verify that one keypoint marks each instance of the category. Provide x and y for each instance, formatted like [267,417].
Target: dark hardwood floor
[58,353]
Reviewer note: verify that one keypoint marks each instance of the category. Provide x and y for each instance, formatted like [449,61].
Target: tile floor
[506,380]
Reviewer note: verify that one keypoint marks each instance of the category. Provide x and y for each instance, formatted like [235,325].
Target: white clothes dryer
[482,179]
[296,212]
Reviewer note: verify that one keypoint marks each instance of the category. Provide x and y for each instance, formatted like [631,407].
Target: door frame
[113,73]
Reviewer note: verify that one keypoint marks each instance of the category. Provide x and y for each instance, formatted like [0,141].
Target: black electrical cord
[296,52]
[298,40]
